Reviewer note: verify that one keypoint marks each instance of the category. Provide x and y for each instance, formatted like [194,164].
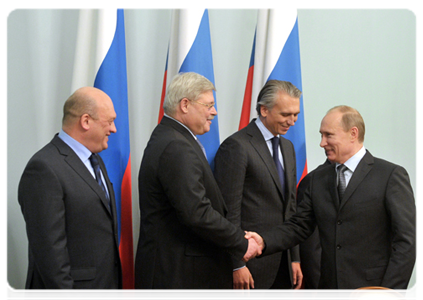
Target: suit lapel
[175,125]
[363,168]
[289,165]
[78,166]
[259,144]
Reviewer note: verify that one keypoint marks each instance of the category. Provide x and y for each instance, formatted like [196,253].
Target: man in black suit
[364,209]
[185,240]
[70,218]
[257,200]
[310,249]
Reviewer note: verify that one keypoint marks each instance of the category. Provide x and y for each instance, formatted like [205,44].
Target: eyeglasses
[208,105]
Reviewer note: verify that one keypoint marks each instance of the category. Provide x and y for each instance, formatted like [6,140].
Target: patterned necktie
[96,167]
[281,173]
[341,181]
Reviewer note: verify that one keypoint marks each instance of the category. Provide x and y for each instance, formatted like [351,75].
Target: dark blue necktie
[275,144]
[96,167]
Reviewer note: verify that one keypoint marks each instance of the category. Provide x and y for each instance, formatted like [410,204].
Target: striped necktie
[341,181]
[281,173]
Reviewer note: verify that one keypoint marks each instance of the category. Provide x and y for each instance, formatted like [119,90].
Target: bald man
[68,204]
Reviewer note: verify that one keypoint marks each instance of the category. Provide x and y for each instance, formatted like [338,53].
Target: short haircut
[267,95]
[185,85]
[77,105]
[351,118]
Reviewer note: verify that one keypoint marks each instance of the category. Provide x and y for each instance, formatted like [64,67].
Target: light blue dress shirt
[268,136]
[82,152]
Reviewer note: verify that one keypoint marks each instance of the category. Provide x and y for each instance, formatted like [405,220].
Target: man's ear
[264,111]
[85,121]
[354,133]
[184,105]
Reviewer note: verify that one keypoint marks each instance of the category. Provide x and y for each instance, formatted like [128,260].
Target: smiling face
[103,126]
[282,115]
[200,113]
[339,145]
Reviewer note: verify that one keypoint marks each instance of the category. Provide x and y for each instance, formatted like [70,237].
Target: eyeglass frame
[209,106]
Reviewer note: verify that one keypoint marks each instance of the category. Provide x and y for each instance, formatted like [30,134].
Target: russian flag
[112,79]
[190,51]
[277,56]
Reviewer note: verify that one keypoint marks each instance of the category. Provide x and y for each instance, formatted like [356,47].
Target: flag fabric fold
[276,52]
[190,50]
[112,79]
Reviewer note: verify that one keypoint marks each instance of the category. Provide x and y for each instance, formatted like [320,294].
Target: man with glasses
[185,241]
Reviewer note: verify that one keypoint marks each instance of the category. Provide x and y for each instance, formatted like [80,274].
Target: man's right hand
[255,245]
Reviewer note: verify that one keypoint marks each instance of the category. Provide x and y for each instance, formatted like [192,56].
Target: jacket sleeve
[401,208]
[183,179]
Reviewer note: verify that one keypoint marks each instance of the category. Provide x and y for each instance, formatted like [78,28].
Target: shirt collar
[354,160]
[264,131]
[81,151]
[182,125]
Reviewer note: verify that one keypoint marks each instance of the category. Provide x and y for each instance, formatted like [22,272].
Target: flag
[277,56]
[190,51]
[112,79]
[246,104]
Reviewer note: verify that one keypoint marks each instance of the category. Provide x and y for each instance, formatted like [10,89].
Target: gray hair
[267,95]
[185,85]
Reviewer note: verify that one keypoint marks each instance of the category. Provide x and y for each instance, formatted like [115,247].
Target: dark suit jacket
[184,240]
[368,239]
[310,249]
[247,176]
[72,231]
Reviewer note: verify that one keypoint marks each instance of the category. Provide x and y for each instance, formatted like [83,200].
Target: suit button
[339,222]
[338,247]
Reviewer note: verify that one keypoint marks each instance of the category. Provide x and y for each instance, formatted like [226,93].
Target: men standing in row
[364,209]
[68,202]
[256,171]
[185,239]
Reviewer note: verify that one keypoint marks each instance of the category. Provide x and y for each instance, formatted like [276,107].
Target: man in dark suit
[310,249]
[185,239]
[70,220]
[365,214]
[257,200]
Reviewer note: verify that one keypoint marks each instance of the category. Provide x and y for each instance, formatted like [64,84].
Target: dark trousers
[283,278]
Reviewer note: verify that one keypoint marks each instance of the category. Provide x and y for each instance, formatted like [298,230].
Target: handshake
[255,245]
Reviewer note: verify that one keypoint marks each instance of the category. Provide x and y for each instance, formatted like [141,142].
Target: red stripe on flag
[304,173]
[126,244]
[161,112]
[246,105]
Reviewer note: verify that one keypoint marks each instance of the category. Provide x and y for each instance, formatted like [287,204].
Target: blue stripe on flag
[112,79]
[199,59]
[288,68]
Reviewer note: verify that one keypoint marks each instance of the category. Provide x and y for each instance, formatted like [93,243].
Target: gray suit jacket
[72,230]
[247,176]
[368,239]
[185,239]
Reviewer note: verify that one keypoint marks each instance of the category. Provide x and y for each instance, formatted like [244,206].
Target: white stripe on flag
[184,29]
[273,29]
[98,25]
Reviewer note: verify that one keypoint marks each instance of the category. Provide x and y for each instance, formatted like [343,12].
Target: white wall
[362,58]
